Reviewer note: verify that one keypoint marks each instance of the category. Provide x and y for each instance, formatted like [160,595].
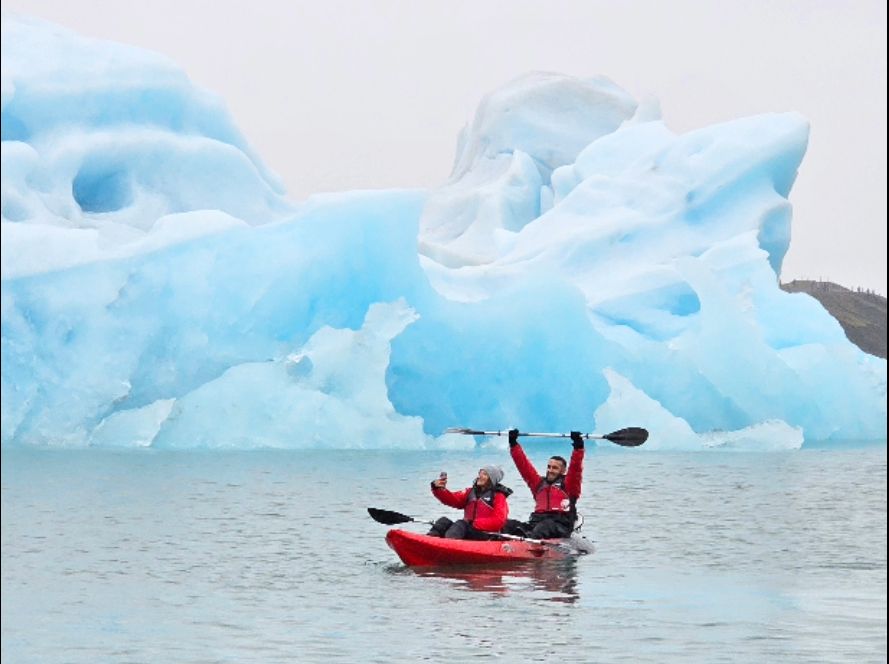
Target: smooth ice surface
[108,149]
[583,268]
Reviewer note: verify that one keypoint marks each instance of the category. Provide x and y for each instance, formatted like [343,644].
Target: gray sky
[339,95]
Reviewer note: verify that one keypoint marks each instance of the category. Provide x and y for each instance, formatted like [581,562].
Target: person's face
[483,480]
[554,468]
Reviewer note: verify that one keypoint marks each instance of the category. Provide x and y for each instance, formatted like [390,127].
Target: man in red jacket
[555,494]
[484,506]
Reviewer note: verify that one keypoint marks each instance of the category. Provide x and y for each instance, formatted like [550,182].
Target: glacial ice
[583,267]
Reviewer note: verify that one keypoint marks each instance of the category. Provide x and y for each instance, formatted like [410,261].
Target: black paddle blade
[465,431]
[388,517]
[629,437]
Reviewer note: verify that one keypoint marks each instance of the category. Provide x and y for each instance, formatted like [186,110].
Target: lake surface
[159,556]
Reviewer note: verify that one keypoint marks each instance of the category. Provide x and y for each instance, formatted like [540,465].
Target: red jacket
[555,497]
[487,512]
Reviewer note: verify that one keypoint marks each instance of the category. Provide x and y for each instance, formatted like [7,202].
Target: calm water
[271,557]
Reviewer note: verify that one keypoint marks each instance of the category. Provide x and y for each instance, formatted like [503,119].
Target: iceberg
[583,267]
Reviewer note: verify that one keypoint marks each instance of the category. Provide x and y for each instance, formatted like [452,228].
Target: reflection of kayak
[420,550]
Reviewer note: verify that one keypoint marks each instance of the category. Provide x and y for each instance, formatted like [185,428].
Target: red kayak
[422,550]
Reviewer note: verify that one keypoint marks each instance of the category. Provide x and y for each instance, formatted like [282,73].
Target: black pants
[544,527]
[459,529]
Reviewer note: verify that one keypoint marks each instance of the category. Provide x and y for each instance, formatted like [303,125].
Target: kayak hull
[417,550]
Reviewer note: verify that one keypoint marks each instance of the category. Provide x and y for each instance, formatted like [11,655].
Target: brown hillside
[861,314]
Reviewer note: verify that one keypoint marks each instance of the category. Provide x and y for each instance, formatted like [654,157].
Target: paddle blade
[388,517]
[629,437]
[466,431]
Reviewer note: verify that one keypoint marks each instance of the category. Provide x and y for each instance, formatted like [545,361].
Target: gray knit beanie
[495,473]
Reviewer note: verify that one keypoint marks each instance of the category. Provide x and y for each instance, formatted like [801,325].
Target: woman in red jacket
[484,506]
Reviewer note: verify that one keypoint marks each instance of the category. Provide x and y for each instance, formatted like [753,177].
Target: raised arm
[455,499]
[525,467]
[574,476]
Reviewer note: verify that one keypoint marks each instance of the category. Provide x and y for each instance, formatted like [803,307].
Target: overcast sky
[338,95]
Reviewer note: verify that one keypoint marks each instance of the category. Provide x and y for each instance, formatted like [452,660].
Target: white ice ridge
[110,149]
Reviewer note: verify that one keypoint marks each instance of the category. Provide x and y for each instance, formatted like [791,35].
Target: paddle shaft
[525,539]
[526,435]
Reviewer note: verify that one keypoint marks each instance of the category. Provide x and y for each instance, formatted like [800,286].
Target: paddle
[629,437]
[390,518]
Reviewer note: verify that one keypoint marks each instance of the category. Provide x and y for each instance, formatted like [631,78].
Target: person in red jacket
[555,494]
[484,506]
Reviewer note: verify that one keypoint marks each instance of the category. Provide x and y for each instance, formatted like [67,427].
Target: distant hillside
[862,314]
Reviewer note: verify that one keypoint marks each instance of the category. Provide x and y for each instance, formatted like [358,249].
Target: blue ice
[583,267]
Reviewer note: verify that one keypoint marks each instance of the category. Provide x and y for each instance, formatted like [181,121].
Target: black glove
[576,440]
[513,437]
